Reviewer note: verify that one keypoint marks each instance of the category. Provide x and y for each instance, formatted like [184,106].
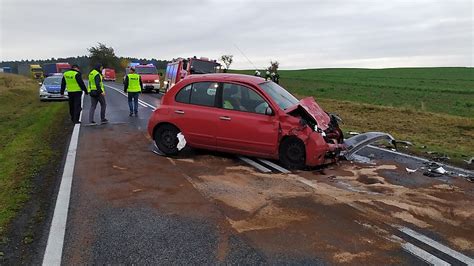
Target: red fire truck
[149,75]
[181,67]
[108,74]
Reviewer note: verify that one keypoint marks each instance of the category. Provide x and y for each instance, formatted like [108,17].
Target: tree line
[97,54]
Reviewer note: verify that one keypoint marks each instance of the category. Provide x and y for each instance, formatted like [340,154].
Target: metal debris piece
[469,161]
[439,170]
[411,170]
[431,174]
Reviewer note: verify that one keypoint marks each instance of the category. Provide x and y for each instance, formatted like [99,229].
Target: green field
[428,106]
[438,90]
[28,130]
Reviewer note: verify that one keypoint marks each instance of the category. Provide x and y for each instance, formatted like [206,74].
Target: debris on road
[469,161]
[440,170]
[118,167]
[409,171]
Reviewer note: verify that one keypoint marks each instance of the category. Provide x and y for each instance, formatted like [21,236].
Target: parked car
[245,115]
[51,88]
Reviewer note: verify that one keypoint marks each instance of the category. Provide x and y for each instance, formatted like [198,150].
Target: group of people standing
[72,82]
[273,76]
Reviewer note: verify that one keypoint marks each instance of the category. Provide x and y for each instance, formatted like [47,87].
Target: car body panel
[254,134]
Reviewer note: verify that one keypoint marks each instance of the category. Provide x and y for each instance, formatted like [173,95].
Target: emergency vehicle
[181,67]
[108,74]
[149,75]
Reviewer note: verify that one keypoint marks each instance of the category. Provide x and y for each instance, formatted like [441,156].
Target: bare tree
[227,59]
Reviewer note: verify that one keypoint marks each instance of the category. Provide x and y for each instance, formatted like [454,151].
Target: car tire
[166,139]
[293,153]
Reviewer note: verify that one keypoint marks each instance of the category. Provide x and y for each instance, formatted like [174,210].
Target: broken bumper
[356,143]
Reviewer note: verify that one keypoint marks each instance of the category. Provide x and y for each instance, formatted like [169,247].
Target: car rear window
[183,95]
[200,93]
[204,93]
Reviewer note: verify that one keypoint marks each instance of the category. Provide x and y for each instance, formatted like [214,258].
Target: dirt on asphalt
[346,216]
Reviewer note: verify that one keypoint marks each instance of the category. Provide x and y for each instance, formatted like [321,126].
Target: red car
[245,115]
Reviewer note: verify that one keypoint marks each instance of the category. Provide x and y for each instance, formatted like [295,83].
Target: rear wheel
[166,138]
[293,153]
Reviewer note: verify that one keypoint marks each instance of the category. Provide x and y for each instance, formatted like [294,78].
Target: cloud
[299,34]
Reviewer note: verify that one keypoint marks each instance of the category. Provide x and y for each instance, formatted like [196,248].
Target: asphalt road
[129,205]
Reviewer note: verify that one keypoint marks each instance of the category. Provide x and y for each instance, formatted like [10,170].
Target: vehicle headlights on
[165,82]
[157,80]
[43,89]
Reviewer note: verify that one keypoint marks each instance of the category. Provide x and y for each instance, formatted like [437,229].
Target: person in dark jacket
[97,92]
[133,85]
[73,83]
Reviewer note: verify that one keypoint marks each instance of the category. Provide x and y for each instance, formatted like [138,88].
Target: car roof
[222,77]
[55,75]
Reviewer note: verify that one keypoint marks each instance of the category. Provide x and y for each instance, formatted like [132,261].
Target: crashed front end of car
[321,134]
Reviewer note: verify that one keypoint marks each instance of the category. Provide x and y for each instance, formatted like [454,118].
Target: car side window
[204,93]
[241,98]
[184,94]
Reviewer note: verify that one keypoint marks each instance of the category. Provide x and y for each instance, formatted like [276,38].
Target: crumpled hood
[310,106]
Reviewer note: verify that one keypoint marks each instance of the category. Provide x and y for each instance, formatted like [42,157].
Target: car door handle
[180,112]
[224,118]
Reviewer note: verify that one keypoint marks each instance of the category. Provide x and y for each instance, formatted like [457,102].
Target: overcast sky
[299,34]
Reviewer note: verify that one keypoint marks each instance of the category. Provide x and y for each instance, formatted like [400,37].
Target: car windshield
[282,97]
[203,67]
[53,80]
[146,70]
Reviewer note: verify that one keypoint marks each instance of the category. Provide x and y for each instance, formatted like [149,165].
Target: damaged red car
[245,115]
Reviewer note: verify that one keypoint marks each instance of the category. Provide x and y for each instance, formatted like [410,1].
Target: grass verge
[28,129]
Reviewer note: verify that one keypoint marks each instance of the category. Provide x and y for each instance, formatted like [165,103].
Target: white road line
[420,253]
[437,245]
[420,159]
[141,102]
[54,248]
[260,167]
[276,166]
[55,244]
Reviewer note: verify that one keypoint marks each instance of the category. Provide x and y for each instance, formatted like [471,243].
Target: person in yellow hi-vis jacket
[73,83]
[133,85]
[97,93]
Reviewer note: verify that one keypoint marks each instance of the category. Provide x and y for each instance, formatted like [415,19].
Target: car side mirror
[268,111]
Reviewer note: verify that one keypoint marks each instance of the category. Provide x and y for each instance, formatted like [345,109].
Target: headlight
[165,82]
[157,80]
[43,89]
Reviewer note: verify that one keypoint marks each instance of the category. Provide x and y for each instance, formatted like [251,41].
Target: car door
[194,111]
[243,125]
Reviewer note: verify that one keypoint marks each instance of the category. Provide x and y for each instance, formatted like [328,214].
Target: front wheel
[293,153]
[166,138]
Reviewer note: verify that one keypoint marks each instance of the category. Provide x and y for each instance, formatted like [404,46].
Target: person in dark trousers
[133,85]
[73,83]
[97,93]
